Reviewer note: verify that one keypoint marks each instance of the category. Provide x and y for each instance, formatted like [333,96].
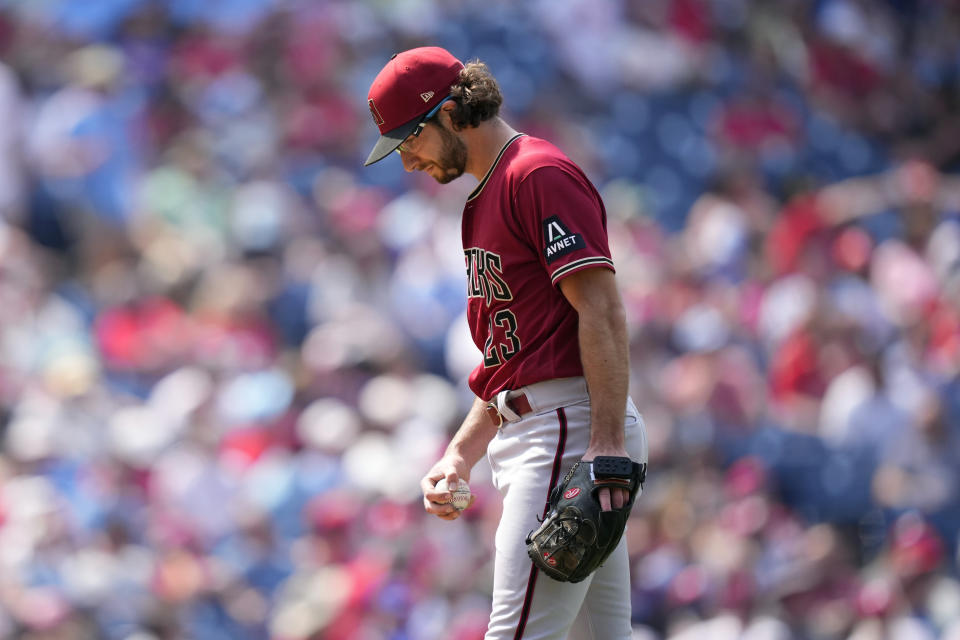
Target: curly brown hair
[477,95]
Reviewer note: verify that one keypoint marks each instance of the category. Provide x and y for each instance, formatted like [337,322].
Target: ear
[446,113]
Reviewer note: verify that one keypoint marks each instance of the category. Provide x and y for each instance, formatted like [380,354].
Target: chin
[448,177]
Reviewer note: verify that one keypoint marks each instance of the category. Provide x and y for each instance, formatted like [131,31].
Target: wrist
[606,439]
[605,450]
[453,455]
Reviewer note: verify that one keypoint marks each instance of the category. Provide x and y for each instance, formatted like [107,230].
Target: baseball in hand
[461,495]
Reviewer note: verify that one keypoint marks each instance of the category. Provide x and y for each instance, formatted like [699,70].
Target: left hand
[609,498]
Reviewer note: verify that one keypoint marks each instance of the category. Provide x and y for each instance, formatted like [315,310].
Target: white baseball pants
[528,459]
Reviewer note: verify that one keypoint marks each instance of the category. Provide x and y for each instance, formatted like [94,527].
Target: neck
[484,143]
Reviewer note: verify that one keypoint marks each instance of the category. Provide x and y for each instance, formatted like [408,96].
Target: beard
[453,157]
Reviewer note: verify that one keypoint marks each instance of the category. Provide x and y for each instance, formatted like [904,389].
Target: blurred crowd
[228,353]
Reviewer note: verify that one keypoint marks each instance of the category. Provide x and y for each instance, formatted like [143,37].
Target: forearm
[466,448]
[603,353]
[470,442]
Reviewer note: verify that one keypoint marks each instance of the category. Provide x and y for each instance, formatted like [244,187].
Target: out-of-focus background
[229,352]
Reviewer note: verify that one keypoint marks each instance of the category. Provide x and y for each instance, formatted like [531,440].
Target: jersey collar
[476,192]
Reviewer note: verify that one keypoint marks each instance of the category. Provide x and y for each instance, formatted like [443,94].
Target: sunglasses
[420,127]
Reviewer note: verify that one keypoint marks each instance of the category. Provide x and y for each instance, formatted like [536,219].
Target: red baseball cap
[411,86]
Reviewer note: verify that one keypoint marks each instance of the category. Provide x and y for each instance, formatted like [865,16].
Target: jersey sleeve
[562,216]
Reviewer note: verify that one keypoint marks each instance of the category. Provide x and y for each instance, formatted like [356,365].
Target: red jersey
[533,220]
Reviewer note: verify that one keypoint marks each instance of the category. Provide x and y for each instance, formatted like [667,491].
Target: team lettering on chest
[485,276]
[485,280]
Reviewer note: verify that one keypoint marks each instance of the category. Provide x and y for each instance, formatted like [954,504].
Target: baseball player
[544,310]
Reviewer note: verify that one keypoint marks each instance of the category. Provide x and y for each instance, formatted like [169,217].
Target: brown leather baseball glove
[577,536]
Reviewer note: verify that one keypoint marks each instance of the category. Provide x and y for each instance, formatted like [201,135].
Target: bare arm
[466,448]
[603,353]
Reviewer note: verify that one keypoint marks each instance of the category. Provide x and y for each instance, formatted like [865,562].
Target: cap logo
[377,118]
[426,95]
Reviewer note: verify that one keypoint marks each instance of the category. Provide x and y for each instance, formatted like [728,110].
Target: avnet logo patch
[557,239]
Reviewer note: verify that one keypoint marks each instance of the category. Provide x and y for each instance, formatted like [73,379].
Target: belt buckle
[492,406]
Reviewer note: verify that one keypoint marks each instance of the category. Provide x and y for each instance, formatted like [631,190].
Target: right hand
[609,498]
[438,502]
